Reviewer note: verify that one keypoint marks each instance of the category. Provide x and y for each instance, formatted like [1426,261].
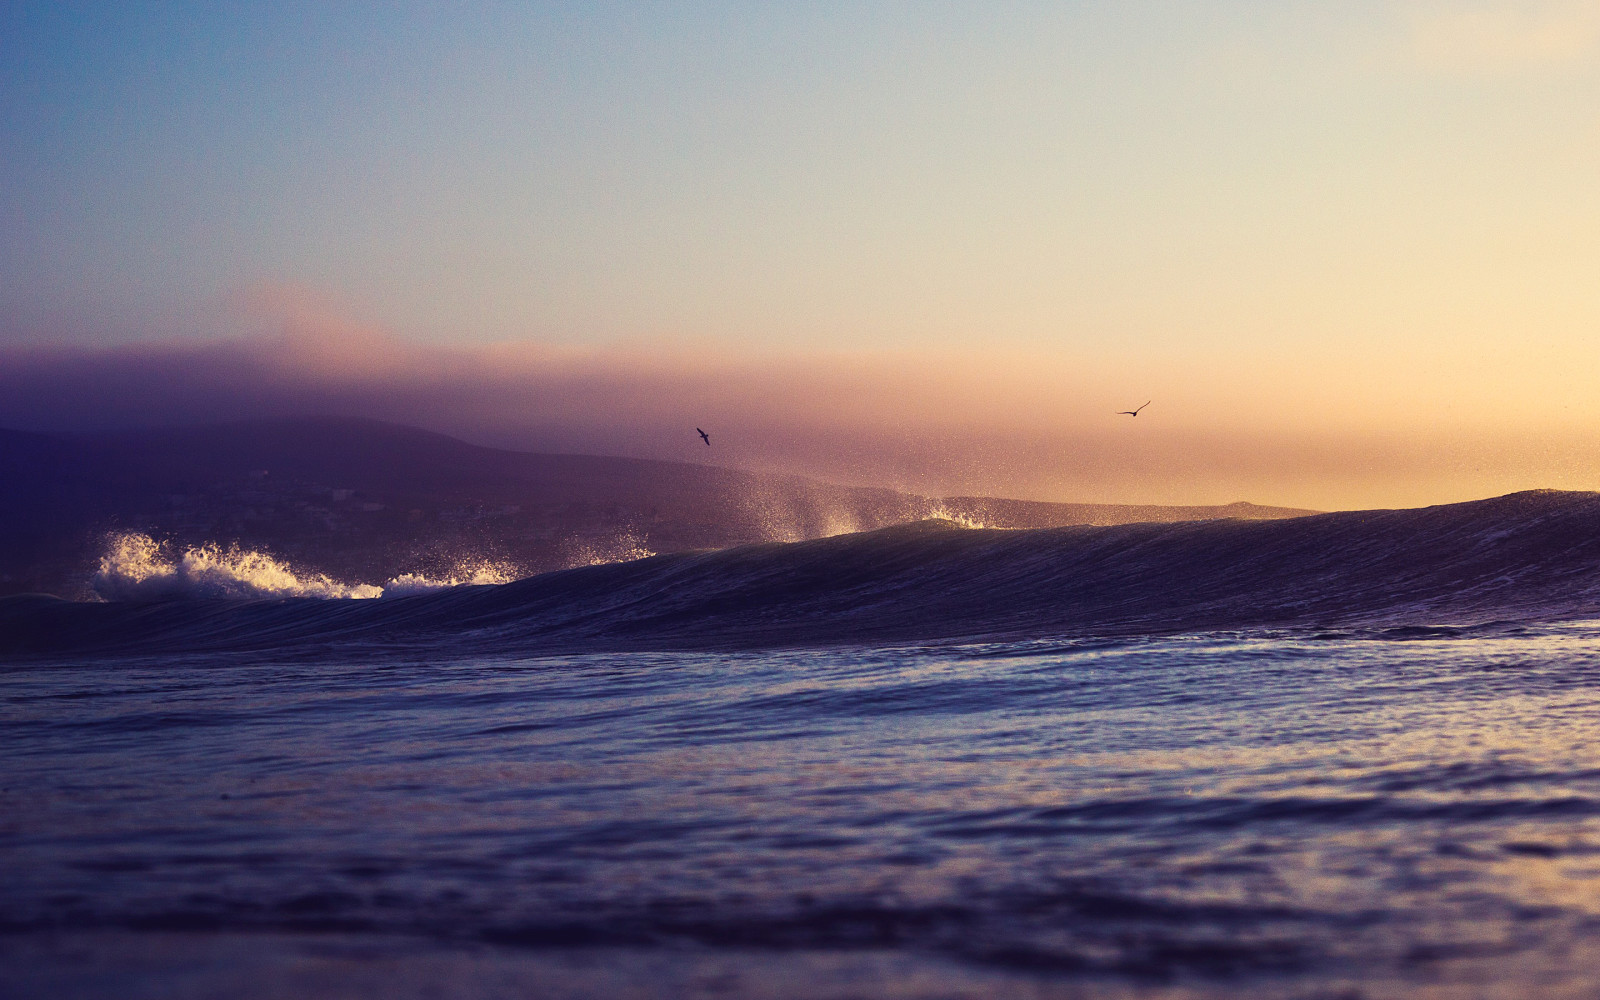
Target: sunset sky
[1351,250]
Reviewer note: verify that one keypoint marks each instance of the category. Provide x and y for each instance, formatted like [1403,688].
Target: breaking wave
[1528,556]
[136,567]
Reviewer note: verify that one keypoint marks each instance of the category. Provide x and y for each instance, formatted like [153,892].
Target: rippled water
[1291,815]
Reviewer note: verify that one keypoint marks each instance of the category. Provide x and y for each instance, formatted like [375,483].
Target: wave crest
[971,521]
[135,567]
[474,573]
[625,547]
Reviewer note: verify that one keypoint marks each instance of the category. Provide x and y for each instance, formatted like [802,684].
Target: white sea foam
[465,574]
[136,567]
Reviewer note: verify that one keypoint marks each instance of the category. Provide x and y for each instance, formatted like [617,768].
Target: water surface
[1389,813]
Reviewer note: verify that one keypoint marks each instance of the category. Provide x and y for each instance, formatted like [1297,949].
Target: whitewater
[1335,756]
[136,567]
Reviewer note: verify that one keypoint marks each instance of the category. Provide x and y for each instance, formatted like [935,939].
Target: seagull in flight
[704,437]
[1131,413]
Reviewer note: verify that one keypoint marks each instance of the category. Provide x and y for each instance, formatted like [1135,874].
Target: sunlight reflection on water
[1261,811]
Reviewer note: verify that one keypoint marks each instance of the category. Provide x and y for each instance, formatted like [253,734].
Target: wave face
[1529,555]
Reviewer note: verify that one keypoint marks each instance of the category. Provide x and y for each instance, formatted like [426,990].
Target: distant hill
[362,500]
[997,513]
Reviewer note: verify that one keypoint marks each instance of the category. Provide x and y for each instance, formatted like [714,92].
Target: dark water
[1408,813]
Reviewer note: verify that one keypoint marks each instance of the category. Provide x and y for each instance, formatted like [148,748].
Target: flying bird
[704,437]
[1131,413]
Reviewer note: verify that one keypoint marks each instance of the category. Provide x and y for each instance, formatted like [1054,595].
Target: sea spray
[940,512]
[625,547]
[135,567]
[468,573]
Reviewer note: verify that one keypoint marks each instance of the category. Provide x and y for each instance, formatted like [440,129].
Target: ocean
[1321,781]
